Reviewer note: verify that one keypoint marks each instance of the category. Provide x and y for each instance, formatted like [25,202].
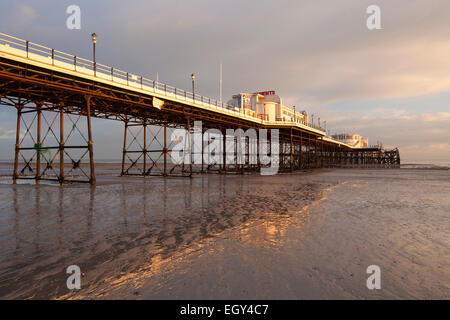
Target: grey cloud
[314,53]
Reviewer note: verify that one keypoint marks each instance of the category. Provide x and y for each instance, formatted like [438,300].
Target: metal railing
[42,54]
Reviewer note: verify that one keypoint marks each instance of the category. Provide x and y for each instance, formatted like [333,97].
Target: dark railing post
[53,57]
[141,82]
[27,43]
[75,62]
[112,74]
[127,78]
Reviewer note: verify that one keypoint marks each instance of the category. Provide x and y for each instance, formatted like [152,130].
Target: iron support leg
[61,145]
[90,144]
[17,150]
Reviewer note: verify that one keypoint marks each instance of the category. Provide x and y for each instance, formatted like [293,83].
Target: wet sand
[291,236]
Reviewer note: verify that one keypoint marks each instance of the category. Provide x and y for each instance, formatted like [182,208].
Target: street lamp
[94,41]
[295,116]
[193,87]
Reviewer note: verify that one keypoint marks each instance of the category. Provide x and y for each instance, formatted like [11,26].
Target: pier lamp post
[295,116]
[193,86]
[94,41]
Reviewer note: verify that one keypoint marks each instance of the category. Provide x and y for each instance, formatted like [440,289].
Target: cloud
[437,116]
[423,136]
[25,13]
[22,16]
[7,134]
[318,55]
[436,152]
[320,52]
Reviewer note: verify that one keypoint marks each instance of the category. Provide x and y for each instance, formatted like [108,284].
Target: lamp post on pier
[193,86]
[94,41]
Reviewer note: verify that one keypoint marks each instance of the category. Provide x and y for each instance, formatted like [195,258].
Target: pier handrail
[37,52]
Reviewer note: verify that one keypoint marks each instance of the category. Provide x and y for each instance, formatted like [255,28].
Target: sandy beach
[304,235]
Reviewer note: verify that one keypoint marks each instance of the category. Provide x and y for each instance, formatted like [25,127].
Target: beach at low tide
[301,235]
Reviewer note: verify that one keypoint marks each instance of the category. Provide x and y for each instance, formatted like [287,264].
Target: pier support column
[38,142]
[203,153]
[165,150]
[19,108]
[124,150]
[316,154]
[300,155]
[291,159]
[188,120]
[90,142]
[144,149]
[224,151]
[61,144]
[321,152]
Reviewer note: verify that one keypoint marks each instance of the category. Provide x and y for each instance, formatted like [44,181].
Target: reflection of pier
[52,91]
[90,226]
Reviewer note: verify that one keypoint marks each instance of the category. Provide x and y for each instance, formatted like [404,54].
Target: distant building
[267,106]
[354,140]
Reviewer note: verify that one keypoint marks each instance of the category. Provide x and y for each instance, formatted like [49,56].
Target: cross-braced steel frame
[45,100]
[42,142]
[147,149]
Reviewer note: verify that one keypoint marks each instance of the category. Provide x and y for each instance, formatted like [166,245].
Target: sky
[391,84]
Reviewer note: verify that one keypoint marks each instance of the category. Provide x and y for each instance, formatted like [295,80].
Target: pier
[57,94]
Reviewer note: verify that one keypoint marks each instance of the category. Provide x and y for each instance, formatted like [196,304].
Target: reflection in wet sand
[306,235]
[117,229]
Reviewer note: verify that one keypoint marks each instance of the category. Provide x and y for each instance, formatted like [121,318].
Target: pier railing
[53,57]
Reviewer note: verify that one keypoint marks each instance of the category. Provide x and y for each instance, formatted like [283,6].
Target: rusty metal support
[165,149]
[188,120]
[144,150]
[90,143]
[19,108]
[203,149]
[61,144]
[38,143]
[224,151]
[291,161]
[124,150]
